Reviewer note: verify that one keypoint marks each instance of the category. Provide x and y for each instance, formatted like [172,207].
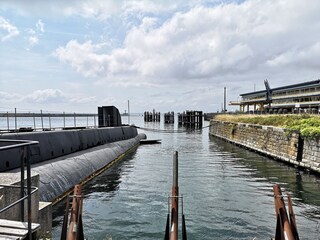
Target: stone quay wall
[271,141]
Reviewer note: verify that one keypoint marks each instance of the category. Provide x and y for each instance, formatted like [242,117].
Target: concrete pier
[41,211]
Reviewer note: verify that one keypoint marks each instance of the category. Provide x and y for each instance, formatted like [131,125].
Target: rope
[167,130]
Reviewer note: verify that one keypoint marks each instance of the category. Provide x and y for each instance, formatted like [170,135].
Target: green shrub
[307,125]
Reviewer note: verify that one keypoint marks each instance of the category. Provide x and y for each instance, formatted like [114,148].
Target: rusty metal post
[282,217]
[292,218]
[65,221]
[175,199]
[184,229]
[76,203]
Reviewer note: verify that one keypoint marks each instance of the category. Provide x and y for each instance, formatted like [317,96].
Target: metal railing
[24,145]
[36,121]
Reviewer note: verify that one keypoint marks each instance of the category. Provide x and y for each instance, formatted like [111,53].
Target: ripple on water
[227,192]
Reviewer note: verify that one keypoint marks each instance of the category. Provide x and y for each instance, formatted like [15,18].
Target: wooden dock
[17,230]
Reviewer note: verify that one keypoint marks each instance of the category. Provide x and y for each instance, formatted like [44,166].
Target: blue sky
[166,55]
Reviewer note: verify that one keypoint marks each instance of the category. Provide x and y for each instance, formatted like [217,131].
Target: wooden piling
[152,116]
[191,118]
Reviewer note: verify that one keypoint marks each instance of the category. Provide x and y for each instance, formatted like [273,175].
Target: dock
[17,230]
[150,141]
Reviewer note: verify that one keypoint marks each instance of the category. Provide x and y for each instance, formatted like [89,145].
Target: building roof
[287,87]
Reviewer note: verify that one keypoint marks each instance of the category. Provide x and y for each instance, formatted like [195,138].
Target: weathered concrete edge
[302,165]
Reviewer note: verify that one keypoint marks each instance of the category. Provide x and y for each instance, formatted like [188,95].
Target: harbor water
[227,190]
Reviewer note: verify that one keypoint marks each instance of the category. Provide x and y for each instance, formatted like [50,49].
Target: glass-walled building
[301,97]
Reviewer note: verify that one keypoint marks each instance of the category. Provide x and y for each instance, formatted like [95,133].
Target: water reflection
[304,187]
[104,188]
[108,181]
[228,190]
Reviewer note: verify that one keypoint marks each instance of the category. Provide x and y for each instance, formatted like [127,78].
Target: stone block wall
[271,141]
[311,154]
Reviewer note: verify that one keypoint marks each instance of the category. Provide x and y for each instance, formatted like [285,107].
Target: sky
[76,55]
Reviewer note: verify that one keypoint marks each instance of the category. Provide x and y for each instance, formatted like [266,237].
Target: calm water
[227,191]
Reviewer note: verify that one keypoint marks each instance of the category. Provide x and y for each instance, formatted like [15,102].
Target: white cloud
[33,40]
[83,57]
[7,30]
[82,100]
[172,44]
[46,96]
[95,9]
[40,26]
[294,57]
[206,43]
[109,101]
[7,97]
[34,34]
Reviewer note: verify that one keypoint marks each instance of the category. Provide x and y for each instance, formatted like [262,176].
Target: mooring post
[175,199]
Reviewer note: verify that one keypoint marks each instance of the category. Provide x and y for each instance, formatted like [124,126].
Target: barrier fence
[44,121]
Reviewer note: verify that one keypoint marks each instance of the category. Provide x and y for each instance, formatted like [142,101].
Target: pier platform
[17,230]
